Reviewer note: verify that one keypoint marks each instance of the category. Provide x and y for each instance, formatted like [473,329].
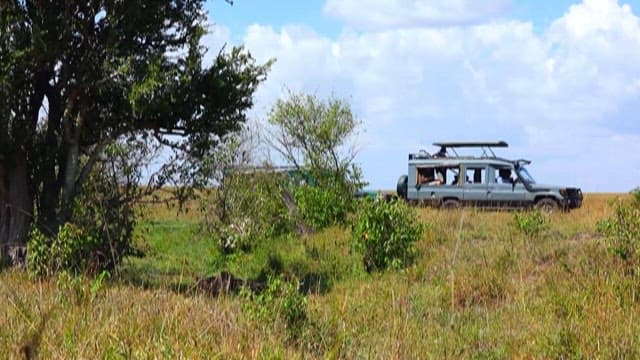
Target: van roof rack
[455,144]
[484,145]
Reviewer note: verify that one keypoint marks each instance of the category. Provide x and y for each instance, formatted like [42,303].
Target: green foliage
[280,303]
[70,250]
[384,232]
[531,223]
[622,229]
[255,210]
[101,222]
[322,206]
[98,284]
[105,71]
[314,133]
[250,207]
[317,137]
[243,204]
[38,253]
[77,290]
[71,289]
[106,212]
[99,232]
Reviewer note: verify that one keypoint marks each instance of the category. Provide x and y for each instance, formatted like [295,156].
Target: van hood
[549,187]
[544,187]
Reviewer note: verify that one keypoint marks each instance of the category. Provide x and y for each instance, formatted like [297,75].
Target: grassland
[479,289]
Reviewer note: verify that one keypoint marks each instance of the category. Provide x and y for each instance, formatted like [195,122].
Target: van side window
[477,175]
[429,176]
[425,174]
[503,175]
[452,175]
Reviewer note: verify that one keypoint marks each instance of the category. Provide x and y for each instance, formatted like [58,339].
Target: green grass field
[479,289]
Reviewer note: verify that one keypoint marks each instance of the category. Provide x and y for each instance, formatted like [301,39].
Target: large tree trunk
[16,209]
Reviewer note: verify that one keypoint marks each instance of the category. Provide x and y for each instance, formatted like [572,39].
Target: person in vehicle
[427,177]
[455,180]
[441,153]
[437,180]
[477,176]
[504,176]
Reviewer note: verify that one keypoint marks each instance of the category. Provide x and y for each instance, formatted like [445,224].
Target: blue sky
[558,80]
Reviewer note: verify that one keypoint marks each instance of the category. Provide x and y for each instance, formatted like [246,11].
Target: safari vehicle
[448,180]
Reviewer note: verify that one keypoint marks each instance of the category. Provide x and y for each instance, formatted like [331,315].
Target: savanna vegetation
[213,252]
[479,285]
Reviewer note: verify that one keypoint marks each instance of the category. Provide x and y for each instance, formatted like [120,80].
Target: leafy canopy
[79,76]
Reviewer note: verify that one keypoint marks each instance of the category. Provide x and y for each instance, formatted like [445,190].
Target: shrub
[95,231]
[38,253]
[279,303]
[320,207]
[622,229]
[531,223]
[248,207]
[384,232]
[66,251]
[105,213]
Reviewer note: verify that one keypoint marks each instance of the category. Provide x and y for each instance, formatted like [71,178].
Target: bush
[38,253]
[69,251]
[622,229]
[248,207]
[320,207]
[105,212]
[279,303]
[384,232]
[531,223]
[98,229]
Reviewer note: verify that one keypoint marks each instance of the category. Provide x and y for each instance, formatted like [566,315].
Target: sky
[558,80]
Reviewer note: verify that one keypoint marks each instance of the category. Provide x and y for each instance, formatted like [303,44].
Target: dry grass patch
[478,288]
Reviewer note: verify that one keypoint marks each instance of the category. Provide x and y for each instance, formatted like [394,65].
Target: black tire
[547,205]
[450,204]
[402,187]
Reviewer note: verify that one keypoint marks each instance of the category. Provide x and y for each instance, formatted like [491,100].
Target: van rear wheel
[547,205]
[450,204]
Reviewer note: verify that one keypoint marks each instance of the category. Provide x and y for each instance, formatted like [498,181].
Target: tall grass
[479,288]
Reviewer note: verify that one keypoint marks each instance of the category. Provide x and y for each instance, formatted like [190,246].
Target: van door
[504,190]
[475,186]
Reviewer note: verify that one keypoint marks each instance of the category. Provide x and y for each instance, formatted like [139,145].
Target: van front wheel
[547,205]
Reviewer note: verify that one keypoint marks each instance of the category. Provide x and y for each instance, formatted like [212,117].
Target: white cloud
[567,98]
[216,39]
[384,14]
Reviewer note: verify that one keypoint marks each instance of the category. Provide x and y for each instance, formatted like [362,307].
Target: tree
[78,76]
[317,137]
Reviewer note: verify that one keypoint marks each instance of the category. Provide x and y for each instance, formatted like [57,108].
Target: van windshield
[524,174]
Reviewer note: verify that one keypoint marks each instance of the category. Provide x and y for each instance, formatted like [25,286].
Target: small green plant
[279,303]
[98,284]
[531,223]
[38,253]
[70,250]
[622,229]
[71,289]
[384,232]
